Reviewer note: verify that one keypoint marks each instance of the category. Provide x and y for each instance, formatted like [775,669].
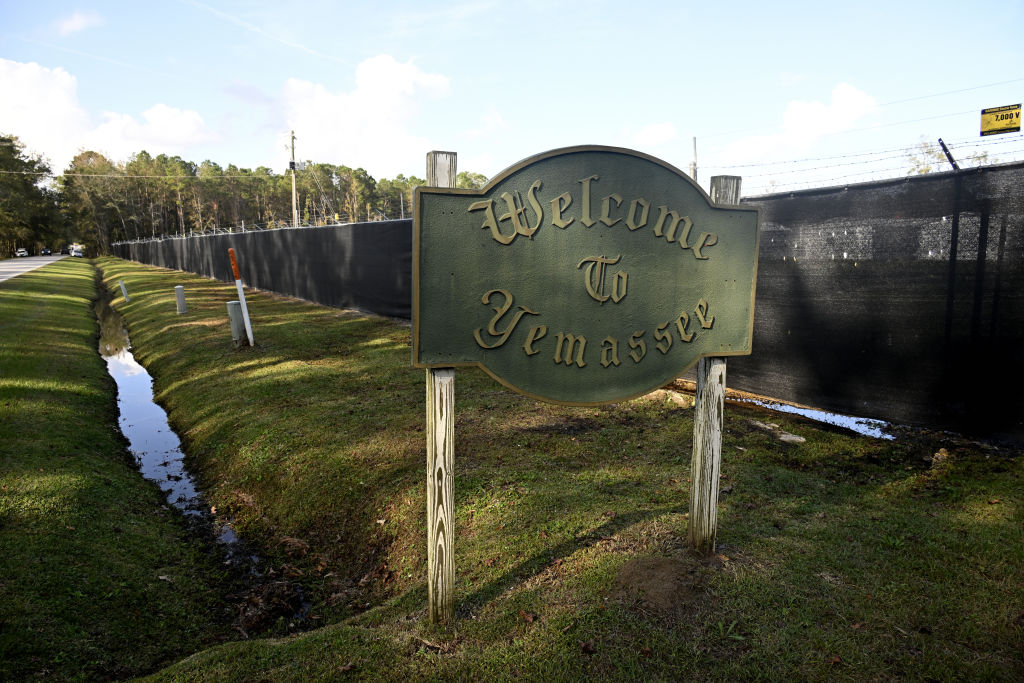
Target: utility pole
[693,164]
[295,203]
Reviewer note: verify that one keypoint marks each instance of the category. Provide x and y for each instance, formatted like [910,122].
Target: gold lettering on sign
[594,278]
[570,349]
[619,282]
[500,311]
[516,212]
[681,324]
[664,342]
[535,334]
[670,225]
[610,351]
[670,234]
[487,206]
[606,209]
[569,341]
[558,205]
[706,239]
[702,315]
[531,196]
[638,345]
[631,221]
[585,219]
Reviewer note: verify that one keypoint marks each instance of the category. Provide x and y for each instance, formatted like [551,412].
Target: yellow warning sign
[1000,120]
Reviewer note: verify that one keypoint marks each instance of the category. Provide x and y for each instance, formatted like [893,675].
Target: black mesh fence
[367,266]
[896,300]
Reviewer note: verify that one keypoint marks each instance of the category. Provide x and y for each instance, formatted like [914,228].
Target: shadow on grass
[533,566]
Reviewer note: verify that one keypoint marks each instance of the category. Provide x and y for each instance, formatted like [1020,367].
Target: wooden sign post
[708,415]
[580,276]
[441,167]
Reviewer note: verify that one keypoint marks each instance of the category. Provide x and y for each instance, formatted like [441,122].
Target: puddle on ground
[152,442]
[861,425]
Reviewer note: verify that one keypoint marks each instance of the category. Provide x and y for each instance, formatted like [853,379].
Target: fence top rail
[239,230]
[918,178]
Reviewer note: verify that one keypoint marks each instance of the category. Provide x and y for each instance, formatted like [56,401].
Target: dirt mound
[667,587]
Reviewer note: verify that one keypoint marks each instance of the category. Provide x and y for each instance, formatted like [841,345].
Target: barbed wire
[804,169]
[886,104]
[962,142]
[837,180]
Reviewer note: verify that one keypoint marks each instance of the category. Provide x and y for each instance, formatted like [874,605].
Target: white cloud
[162,129]
[808,121]
[652,135]
[490,123]
[79,21]
[43,111]
[368,127]
[803,124]
[46,115]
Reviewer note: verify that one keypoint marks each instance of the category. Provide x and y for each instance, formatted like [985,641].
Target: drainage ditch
[157,452]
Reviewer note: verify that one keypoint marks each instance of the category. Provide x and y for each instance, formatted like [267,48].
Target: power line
[825,182]
[951,92]
[960,144]
[883,104]
[127,176]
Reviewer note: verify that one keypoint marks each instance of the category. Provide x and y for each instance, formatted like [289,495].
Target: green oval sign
[583,275]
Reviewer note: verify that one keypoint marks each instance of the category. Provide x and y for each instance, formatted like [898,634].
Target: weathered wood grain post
[179,297]
[709,413]
[124,290]
[441,170]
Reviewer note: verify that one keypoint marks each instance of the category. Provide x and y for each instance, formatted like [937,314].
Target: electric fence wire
[962,142]
[970,150]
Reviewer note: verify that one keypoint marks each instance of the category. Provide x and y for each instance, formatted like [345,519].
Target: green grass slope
[97,579]
[840,557]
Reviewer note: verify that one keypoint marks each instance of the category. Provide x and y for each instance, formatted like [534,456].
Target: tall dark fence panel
[364,265]
[897,300]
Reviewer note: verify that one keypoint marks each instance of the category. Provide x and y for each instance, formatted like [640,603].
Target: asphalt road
[16,266]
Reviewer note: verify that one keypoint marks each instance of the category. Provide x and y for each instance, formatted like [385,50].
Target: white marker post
[241,296]
[124,290]
[179,295]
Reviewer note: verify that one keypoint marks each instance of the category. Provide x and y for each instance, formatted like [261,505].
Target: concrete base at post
[238,335]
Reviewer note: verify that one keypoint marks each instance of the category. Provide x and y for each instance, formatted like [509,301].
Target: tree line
[98,201]
[29,210]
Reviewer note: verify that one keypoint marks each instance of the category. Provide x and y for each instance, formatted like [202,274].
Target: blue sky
[380,84]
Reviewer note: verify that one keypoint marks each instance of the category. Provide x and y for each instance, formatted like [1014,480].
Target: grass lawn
[97,578]
[840,557]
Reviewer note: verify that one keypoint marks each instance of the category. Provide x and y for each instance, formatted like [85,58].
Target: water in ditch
[152,442]
[265,599]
